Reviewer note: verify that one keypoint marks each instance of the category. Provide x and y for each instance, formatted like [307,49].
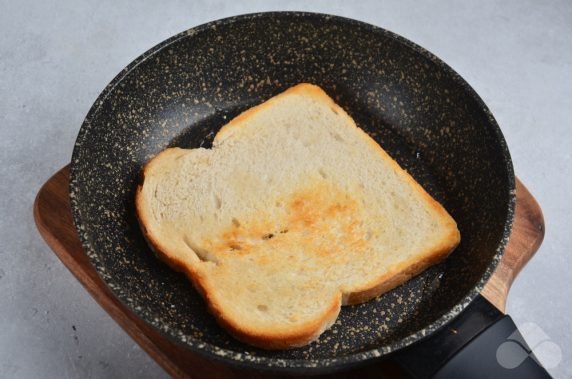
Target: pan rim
[321,365]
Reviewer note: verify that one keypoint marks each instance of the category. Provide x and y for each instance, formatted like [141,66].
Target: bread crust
[284,338]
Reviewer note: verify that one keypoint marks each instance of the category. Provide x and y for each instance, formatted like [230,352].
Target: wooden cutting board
[53,217]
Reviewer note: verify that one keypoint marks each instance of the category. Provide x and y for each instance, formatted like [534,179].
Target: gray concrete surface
[55,57]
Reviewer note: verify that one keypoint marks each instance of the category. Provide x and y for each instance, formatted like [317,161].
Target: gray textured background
[55,58]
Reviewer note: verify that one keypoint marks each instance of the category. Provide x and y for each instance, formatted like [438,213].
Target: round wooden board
[53,217]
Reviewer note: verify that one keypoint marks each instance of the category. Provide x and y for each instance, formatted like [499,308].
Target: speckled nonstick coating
[182,91]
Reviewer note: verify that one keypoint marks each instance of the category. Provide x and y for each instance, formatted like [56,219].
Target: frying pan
[416,107]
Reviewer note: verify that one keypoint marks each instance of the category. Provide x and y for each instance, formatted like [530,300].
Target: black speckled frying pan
[183,90]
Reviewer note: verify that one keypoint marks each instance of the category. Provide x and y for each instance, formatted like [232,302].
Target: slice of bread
[294,212]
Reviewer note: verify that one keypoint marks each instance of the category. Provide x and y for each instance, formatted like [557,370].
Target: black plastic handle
[480,343]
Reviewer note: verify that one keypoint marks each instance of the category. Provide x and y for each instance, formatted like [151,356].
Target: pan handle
[480,343]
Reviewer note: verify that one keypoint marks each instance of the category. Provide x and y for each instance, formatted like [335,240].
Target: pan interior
[181,92]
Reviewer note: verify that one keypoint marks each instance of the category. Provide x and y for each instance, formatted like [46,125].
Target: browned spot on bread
[321,219]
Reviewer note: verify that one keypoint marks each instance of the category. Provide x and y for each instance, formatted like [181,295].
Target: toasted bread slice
[294,212]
